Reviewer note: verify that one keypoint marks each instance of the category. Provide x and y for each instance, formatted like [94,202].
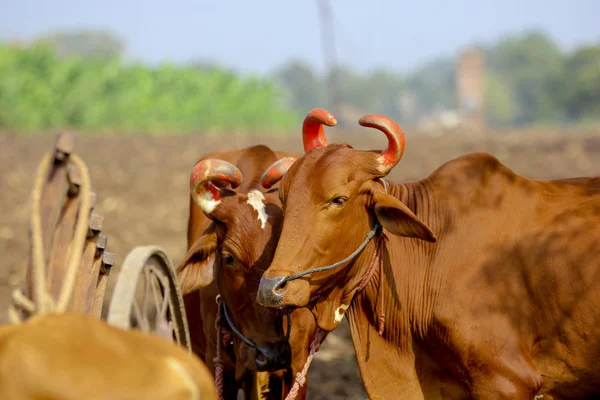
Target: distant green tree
[580,86]
[40,91]
[209,66]
[304,90]
[87,44]
[532,65]
[350,86]
[500,105]
[377,92]
[434,86]
[383,90]
[528,79]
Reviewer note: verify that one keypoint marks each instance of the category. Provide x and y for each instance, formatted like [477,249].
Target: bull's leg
[230,386]
[273,386]
[264,386]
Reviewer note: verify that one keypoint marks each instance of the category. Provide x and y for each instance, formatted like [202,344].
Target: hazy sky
[259,35]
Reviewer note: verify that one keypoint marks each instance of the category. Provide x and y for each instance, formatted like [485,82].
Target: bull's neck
[419,197]
[409,298]
[410,279]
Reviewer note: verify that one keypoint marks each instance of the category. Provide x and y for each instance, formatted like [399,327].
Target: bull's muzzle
[273,357]
[271,291]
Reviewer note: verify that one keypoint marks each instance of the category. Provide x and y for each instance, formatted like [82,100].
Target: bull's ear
[197,269]
[397,218]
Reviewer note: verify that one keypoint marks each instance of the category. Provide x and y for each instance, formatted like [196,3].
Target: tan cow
[232,235]
[485,284]
[75,356]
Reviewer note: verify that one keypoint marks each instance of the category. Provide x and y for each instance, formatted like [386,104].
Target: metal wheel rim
[141,262]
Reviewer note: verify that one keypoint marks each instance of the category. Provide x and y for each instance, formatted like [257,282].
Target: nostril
[271,291]
[260,360]
[280,287]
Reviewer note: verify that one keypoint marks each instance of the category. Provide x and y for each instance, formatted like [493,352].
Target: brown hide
[490,283]
[76,356]
[242,227]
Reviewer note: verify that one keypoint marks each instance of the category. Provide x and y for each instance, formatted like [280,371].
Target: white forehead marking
[255,199]
[206,201]
[339,313]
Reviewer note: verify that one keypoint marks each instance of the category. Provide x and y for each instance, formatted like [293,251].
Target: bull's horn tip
[367,118]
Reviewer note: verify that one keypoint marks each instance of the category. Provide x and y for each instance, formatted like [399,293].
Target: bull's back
[528,251]
[561,268]
[75,356]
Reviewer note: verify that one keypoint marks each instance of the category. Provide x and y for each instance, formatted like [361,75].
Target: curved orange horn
[275,172]
[396,142]
[204,192]
[313,133]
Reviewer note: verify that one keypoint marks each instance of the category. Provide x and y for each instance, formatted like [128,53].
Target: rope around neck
[377,259]
[224,337]
[239,333]
[300,379]
[370,235]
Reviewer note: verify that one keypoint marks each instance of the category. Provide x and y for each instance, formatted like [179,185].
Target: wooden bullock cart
[69,264]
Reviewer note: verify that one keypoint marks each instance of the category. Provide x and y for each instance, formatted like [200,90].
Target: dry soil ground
[141,184]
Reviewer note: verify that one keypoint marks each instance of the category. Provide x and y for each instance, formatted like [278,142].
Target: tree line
[528,79]
[44,88]
[79,80]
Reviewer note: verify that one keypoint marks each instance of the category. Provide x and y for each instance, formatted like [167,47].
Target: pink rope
[377,259]
[380,289]
[367,277]
[301,376]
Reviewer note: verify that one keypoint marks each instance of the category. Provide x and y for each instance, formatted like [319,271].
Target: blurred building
[470,88]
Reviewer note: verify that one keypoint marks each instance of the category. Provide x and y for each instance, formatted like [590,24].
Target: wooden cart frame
[69,265]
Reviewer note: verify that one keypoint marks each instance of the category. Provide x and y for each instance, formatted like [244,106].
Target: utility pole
[329,53]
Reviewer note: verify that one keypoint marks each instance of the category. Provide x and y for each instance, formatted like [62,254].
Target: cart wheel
[147,297]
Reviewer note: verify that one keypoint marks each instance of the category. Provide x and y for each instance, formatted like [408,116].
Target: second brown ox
[234,225]
[481,284]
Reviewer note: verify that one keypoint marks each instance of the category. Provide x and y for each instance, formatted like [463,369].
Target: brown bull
[76,356]
[232,234]
[477,282]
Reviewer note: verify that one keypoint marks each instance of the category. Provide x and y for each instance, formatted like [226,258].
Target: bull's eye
[339,201]
[227,258]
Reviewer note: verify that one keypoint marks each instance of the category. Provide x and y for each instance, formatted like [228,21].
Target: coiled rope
[42,300]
